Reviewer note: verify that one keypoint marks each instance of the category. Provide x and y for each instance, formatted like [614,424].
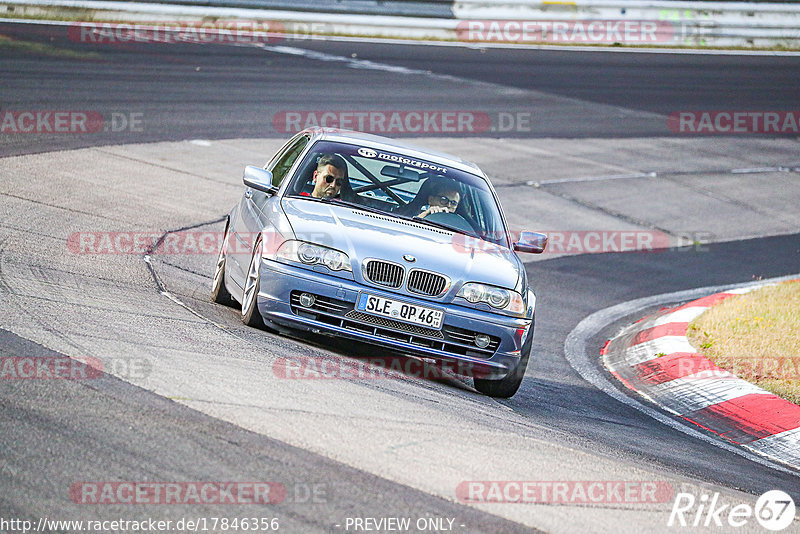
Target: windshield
[403,186]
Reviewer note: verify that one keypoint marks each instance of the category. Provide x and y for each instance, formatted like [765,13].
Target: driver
[443,198]
[329,176]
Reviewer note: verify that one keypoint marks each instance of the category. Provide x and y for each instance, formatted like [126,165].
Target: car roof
[386,143]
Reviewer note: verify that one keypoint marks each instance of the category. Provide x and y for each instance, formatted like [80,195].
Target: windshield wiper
[445,226]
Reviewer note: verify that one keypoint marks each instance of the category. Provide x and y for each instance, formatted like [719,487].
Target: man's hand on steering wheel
[434,209]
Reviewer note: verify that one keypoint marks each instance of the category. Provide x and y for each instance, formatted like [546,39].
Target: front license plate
[401,311]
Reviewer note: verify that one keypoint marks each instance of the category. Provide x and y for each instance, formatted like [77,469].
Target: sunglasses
[444,201]
[330,179]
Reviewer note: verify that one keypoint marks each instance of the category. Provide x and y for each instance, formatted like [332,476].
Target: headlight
[335,260]
[309,253]
[473,292]
[312,254]
[496,297]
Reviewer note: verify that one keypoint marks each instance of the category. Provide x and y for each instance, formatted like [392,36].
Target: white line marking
[365,64]
[648,350]
[786,444]
[757,170]
[596,178]
[744,290]
[688,394]
[686,315]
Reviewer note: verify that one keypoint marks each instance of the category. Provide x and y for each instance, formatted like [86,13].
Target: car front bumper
[333,313]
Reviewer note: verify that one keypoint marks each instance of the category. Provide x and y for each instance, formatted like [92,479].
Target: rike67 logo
[774,510]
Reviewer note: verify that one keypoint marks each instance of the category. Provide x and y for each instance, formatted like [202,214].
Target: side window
[286,160]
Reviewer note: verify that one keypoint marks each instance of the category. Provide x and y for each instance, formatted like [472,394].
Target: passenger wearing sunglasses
[443,198]
[329,176]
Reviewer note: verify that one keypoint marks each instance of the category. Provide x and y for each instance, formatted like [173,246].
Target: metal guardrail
[668,22]
[694,23]
[403,8]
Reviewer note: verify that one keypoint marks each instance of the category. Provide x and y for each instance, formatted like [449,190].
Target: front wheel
[508,386]
[252,285]
[220,293]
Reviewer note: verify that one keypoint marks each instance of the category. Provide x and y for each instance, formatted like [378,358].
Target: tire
[219,293]
[506,387]
[252,285]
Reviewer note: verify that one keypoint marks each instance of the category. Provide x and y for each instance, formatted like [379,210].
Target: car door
[251,219]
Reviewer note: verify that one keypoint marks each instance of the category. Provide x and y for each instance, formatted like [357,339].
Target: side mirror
[258,178]
[532,242]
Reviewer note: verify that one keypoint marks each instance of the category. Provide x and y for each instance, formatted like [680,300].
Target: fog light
[482,341]
[307,300]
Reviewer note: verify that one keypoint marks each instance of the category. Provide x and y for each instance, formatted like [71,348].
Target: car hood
[363,234]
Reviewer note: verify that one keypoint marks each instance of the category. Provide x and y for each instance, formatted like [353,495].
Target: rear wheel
[252,285]
[219,293]
[505,388]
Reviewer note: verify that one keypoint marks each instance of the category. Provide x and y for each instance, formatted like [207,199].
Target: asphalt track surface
[220,92]
[57,432]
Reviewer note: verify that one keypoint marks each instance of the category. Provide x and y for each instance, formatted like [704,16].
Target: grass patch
[43,49]
[756,336]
